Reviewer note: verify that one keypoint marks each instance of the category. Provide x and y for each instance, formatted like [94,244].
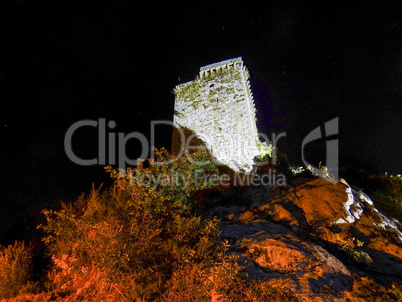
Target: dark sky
[309,63]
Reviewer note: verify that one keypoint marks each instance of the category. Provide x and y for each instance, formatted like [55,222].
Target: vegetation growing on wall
[189,92]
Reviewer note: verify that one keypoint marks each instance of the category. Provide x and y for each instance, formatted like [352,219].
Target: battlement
[226,64]
[218,107]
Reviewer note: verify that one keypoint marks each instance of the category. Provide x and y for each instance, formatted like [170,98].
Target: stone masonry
[218,107]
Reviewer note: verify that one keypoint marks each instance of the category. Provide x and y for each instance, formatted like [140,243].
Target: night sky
[309,63]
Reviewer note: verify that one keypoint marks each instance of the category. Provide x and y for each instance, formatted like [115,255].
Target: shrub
[272,160]
[393,188]
[367,289]
[232,284]
[226,281]
[189,283]
[127,241]
[15,268]
[388,195]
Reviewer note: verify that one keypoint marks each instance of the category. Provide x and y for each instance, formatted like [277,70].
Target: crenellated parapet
[236,63]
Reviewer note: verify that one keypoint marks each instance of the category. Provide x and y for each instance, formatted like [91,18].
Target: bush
[15,268]
[125,243]
[393,188]
[189,283]
[369,290]
[226,281]
[271,160]
[232,284]
[388,194]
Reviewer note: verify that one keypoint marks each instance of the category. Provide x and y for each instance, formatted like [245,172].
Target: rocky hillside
[324,241]
[315,240]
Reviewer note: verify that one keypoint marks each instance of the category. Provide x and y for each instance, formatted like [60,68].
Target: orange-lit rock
[322,202]
[318,238]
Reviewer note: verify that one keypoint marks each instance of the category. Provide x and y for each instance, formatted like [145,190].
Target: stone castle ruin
[218,107]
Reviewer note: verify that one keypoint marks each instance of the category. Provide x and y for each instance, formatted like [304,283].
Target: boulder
[318,238]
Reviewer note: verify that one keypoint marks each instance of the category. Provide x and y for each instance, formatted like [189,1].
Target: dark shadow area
[356,233]
[297,213]
[339,282]
[385,268]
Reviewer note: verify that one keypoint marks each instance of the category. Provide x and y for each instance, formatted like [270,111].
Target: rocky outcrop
[318,238]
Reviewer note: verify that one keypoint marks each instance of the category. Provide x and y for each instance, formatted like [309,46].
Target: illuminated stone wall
[218,107]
